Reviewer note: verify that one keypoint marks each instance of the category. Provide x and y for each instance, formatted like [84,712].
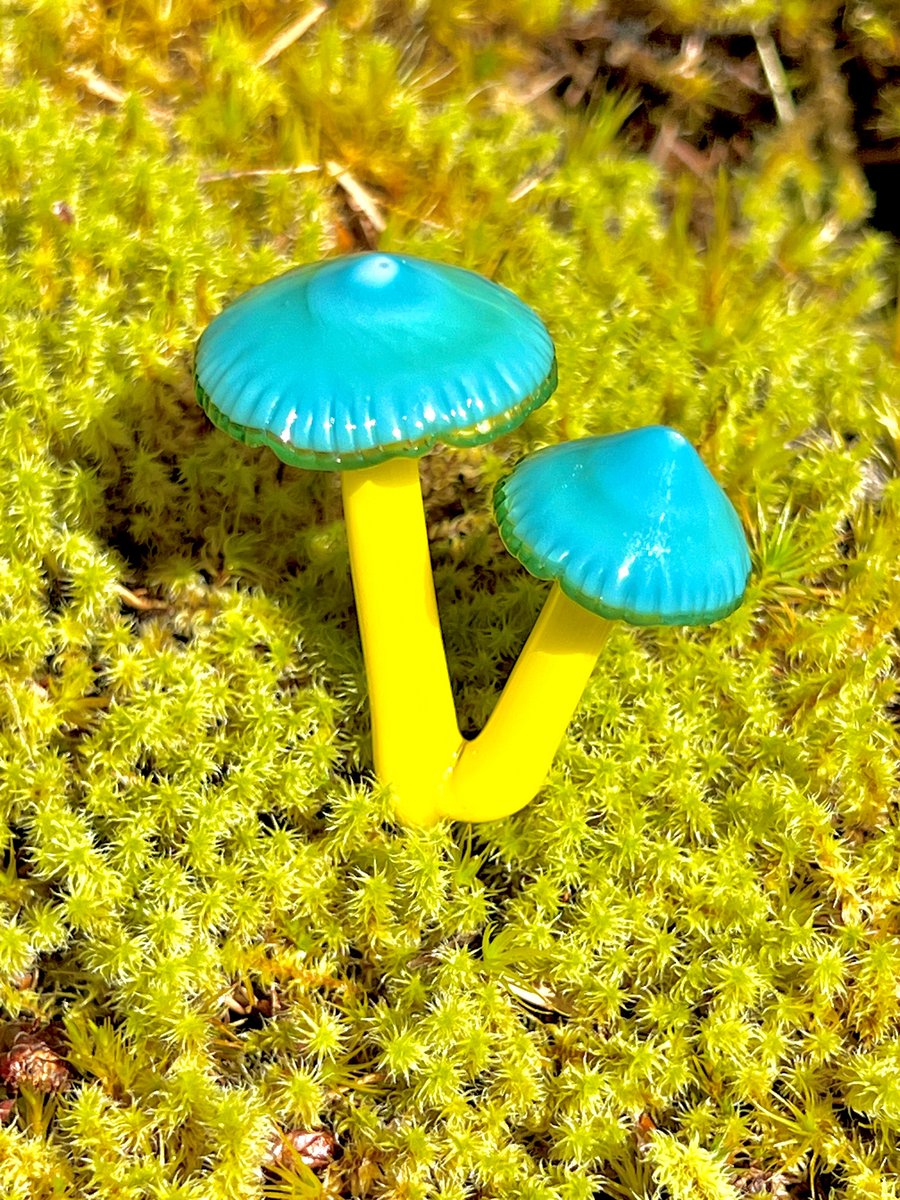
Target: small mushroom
[360,364]
[629,527]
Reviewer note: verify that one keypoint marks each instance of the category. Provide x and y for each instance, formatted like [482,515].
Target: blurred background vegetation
[224,972]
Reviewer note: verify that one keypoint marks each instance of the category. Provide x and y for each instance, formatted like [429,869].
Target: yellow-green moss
[677,968]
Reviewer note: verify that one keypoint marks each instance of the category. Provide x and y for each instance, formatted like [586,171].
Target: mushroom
[360,364]
[629,527]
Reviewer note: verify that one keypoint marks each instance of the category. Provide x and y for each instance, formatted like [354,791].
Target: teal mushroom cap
[632,526]
[354,360]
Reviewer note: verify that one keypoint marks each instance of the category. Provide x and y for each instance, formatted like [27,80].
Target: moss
[676,968]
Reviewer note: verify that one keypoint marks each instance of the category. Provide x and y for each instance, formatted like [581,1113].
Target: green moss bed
[674,975]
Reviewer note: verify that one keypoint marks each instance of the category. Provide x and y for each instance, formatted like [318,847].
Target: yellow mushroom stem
[506,764]
[417,746]
[415,737]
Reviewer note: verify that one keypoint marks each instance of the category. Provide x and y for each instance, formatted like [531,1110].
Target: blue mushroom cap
[631,526]
[351,361]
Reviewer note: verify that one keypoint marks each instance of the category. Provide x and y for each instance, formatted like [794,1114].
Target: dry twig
[775,75]
[359,198]
[104,90]
[259,173]
[294,31]
[138,600]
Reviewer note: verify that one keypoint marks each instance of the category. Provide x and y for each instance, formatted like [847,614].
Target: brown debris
[360,200]
[314,1148]
[104,90]
[62,210]
[293,33]
[259,173]
[754,1181]
[139,600]
[775,74]
[698,92]
[32,1062]
[644,1128]
[244,1002]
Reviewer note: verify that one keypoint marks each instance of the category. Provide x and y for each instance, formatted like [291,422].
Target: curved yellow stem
[504,767]
[416,743]
[415,737]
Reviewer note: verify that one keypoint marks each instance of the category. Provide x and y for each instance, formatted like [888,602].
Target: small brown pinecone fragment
[315,1149]
[33,1063]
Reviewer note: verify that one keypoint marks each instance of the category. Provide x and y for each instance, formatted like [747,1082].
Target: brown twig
[260,172]
[359,198]
[294,31]
[141,603]
[104,90]
[775,75]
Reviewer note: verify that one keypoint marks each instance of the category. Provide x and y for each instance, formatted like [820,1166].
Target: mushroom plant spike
[360,364]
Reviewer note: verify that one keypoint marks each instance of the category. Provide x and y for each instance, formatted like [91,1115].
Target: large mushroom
[629,527]
[360,364]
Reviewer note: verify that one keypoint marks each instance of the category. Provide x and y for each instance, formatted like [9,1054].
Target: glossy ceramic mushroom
[629,527]
[360,364]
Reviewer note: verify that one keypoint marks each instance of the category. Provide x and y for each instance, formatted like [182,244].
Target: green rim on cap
[352,361]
